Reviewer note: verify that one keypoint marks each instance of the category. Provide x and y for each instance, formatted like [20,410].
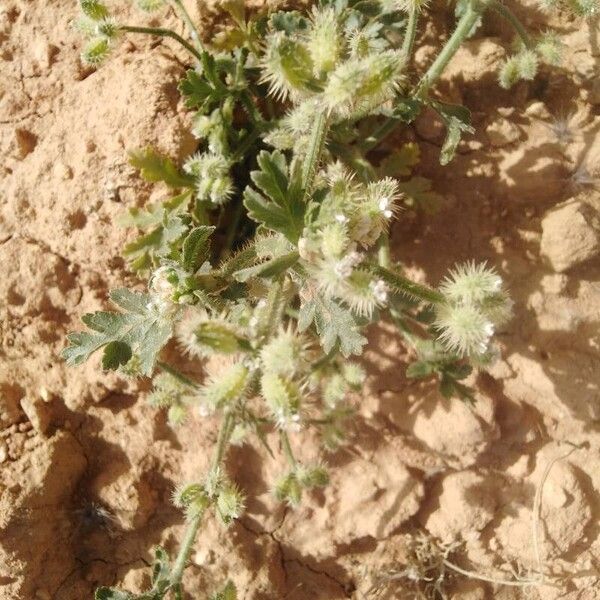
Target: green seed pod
[311,476]
[214,336]
[354,374]
[509,73]
[230,503]
[334,239]
[93,9]
[225,387]
[95,51]
[283,399]
[107,28]
[287,67]
[550,48]
[288,489]
[334,390]
[325,42]
[176,415]
[527,61]
[282,355]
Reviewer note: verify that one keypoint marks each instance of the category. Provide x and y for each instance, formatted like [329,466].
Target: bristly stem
[465,25]
[315,148]
[194,523]
[164,33]
[403,285]
[185,17]
[410,33]
[503,10]
[287,448]
[177,374]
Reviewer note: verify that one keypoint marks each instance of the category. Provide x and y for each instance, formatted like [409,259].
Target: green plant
[274,250]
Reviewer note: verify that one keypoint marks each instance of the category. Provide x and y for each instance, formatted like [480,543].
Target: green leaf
[227,593]
[401,162]
[335,325]
[159,242]
[419,370]
[458,121]
[269,268]
[161,569]
[196,248]
[115,354]
[153,214]
[142,330]
[418,194]
[200,89]
[155,167]
[281,208]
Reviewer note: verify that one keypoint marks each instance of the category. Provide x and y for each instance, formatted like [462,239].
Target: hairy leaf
[334,324]
[281,208]
[458,121]
[141,330]
[155,167]
[196,248]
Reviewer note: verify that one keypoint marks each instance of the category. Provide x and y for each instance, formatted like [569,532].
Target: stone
[570,235]
[38,413]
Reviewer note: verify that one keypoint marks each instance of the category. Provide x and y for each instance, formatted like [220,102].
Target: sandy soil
[87,468]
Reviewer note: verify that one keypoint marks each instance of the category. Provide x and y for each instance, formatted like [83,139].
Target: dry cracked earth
[87,468]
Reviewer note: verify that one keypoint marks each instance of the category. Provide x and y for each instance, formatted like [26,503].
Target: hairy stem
[194,523]
[185,549]
[163,33]
[185,17]
[503,10]
[315,148]
[287,448]
[410,34]
[403,285]
[463,29]
[177,374]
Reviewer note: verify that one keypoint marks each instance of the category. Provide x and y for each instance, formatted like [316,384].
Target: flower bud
[282,355]
[230,503]
[550,48]
[192,498]
[509,73]
[354,374]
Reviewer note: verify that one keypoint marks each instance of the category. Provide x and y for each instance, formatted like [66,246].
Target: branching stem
[163,33]
[185,17]
[503,10]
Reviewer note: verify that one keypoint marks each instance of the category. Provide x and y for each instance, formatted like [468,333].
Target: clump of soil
[87,468]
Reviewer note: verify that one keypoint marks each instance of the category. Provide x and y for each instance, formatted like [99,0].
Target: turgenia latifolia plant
[273,250]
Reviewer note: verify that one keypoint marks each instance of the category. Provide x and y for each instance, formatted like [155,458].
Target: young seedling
[273,250]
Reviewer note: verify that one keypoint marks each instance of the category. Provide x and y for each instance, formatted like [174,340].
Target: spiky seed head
[192,498]
[363,84]
[150,5]
[283,397]
[225,387]
[230,503]
[311,476]
[334,239]
[288,489]
[471,283]
[95,51]
[509,73]
[287,66]
[463,329]
[176,415]
[214,336]
[108,28]
[354,374]
[93,9]
[325,42]
[283,354]
[584,8]
[527,61]
[334,390]
[550,48]
[412,5]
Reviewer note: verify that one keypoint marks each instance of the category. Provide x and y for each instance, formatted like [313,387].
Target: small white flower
[340,218]
[344,267]
[384,207]
[380,290]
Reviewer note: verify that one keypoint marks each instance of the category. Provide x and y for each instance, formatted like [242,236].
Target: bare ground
[86,468]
